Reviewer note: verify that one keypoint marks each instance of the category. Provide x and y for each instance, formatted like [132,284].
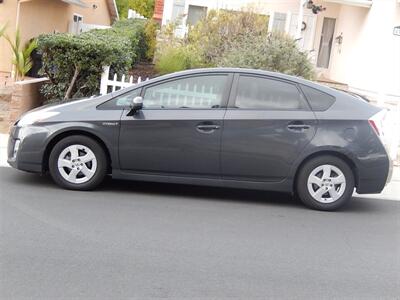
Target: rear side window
[319,101]
[268,94]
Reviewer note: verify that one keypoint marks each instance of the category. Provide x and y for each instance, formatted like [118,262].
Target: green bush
[174,54]
[150,34]
[134,30]
[232,39]
[276,52]
[74,63]
[176,59]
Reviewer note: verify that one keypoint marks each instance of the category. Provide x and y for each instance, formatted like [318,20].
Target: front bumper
[29,156]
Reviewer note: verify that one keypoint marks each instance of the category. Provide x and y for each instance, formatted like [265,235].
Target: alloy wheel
[77,164]
[326,183]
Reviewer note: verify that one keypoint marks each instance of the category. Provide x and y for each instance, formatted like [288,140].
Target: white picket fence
[133,14]
[108,85]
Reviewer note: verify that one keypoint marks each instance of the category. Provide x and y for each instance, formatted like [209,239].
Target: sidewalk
[3,150]
[391,191]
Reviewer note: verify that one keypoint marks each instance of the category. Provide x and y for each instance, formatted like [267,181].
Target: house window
[279,22]
[178,9]
[76,24]
[196,14]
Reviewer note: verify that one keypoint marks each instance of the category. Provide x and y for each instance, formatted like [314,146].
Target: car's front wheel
[78,163]
[325,183]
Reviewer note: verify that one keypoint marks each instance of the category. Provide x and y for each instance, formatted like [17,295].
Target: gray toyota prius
[234,128]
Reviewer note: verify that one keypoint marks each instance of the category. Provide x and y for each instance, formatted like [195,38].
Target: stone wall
[5,100]
[18,99]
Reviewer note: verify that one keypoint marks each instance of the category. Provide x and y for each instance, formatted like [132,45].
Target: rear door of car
[267,124]
[178,131]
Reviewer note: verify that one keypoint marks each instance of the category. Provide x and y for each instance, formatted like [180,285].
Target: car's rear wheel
[78,163]
[325,183]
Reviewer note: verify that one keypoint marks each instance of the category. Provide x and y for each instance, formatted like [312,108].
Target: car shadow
[192,192]
[205,193]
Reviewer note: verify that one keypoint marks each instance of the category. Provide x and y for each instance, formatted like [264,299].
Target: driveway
[143,240]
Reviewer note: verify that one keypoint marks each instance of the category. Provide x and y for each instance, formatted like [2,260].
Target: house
[34,17]
[351,42]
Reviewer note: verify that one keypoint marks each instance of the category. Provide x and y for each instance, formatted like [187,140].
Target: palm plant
[2,30]
[22,60]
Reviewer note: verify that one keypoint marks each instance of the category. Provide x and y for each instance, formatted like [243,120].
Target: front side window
[121,101]
[268,94]
[199,92]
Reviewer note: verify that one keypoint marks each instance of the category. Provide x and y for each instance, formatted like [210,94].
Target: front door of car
[178,130]
[267,125]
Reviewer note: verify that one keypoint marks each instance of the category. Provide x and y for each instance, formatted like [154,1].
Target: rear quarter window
[319,101]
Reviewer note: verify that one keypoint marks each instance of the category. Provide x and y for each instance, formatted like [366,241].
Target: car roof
[345,106]
[200,71]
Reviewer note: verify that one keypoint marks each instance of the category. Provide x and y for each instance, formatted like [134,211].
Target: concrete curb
[391,191]
[3,150]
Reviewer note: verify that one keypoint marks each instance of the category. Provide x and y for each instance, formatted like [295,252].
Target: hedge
[74,63]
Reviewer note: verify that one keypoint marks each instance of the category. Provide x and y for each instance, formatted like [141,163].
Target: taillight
[374,127]
[376,122]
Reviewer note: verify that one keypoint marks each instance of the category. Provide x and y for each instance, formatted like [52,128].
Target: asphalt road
[142,240]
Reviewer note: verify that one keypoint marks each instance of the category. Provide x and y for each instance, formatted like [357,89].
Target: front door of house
[326,43]
[307,31]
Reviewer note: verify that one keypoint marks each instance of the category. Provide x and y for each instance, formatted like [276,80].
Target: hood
[59,107]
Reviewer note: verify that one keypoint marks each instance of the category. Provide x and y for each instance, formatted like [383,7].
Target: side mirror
[137,104]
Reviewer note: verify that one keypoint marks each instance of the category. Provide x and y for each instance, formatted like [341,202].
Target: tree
[231,39]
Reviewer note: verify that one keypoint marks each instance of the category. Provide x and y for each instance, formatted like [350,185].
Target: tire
[78,163]
[319,191]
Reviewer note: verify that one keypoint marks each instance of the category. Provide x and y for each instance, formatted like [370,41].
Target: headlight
[36,116]
[16,147]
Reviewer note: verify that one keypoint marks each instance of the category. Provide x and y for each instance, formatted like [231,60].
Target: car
[227,127]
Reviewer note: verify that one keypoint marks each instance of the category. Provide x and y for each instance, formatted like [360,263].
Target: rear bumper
[374,175]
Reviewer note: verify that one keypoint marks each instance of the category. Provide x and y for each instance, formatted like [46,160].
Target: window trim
[235,86]
[98,107]
[225,94]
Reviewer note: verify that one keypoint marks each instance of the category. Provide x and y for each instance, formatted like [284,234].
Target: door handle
[207,128]
[299,127]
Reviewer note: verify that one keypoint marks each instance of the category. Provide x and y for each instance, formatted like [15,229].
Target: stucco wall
[8,10]
[99,15]
[46,16]
[369,57]
[42,16]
